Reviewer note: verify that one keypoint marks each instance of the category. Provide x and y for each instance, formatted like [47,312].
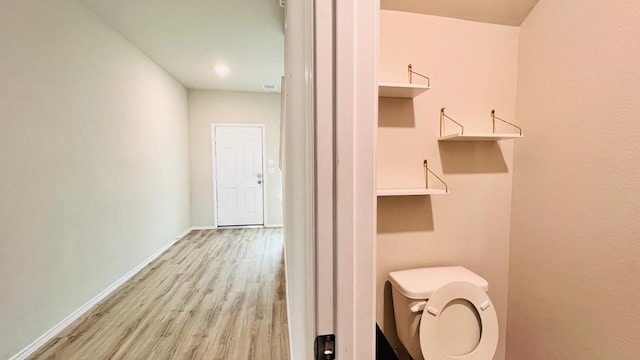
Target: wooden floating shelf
[479,137]
[401,90]
[411,192]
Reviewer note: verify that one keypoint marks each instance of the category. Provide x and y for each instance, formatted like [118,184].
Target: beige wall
[93,159]
[473,68]
[575,242]
[212,106]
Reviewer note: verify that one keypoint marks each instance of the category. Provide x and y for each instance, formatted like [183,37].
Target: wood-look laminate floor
[216,294]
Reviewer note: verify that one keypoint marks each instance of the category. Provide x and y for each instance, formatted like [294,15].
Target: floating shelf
[401,90]
[411,192]
[492,136]
[417,191]
[479,137]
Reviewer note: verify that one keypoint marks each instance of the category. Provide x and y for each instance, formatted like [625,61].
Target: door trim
[299,178]
[350,92]
[325,172]
[213,169]
[356,118]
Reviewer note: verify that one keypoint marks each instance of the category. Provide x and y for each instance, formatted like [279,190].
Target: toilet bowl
[444,313]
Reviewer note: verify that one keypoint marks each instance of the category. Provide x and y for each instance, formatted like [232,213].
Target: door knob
[259,181]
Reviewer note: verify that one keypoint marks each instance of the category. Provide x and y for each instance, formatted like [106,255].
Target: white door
[238,174]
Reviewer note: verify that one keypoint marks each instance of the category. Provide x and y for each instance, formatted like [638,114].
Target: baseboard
[204,227]
[236,227]
[31,348]
[181,235]
[287,294]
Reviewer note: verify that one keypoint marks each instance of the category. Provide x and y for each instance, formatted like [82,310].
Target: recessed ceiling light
[222,70]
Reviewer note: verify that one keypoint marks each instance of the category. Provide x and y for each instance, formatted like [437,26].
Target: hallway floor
[215,294]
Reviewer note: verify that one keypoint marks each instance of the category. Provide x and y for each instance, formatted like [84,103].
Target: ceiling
[188,38]
[506,12]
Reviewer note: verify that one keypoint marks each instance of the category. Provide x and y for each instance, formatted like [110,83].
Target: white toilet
[444,313]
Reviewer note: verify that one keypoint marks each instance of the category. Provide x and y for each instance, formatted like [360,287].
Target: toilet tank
[421,283]
[412,288]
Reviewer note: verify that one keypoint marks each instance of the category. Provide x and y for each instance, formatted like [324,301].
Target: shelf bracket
[426,177]
[494,118]
[411,72]
[444,116]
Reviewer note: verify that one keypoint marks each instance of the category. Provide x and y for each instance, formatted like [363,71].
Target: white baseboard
[204,227]
[236,227]
[240,227]
[31,348]
[287,295]
[181,235]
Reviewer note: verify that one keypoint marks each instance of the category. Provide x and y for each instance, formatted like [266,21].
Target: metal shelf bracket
[411,72]
[494,118]
[426,177]
[444,116]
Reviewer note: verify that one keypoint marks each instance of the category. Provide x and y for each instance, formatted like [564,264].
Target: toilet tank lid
[421,283]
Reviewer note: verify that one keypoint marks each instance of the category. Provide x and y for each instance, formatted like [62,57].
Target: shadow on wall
[389,329]
[396,112]
[472,157]
[404,214]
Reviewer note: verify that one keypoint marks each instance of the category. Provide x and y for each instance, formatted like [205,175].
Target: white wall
[213,106]
[93,159]
[575,240]
[473,69]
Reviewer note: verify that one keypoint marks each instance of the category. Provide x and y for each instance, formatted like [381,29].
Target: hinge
[325,347]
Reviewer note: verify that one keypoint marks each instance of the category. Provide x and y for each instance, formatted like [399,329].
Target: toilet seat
[429,339]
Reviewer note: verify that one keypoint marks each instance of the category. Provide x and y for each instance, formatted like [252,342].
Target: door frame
[213,169]
[356,120]
[298,178]
[332,93]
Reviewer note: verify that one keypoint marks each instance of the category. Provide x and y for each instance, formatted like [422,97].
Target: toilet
[444,313]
